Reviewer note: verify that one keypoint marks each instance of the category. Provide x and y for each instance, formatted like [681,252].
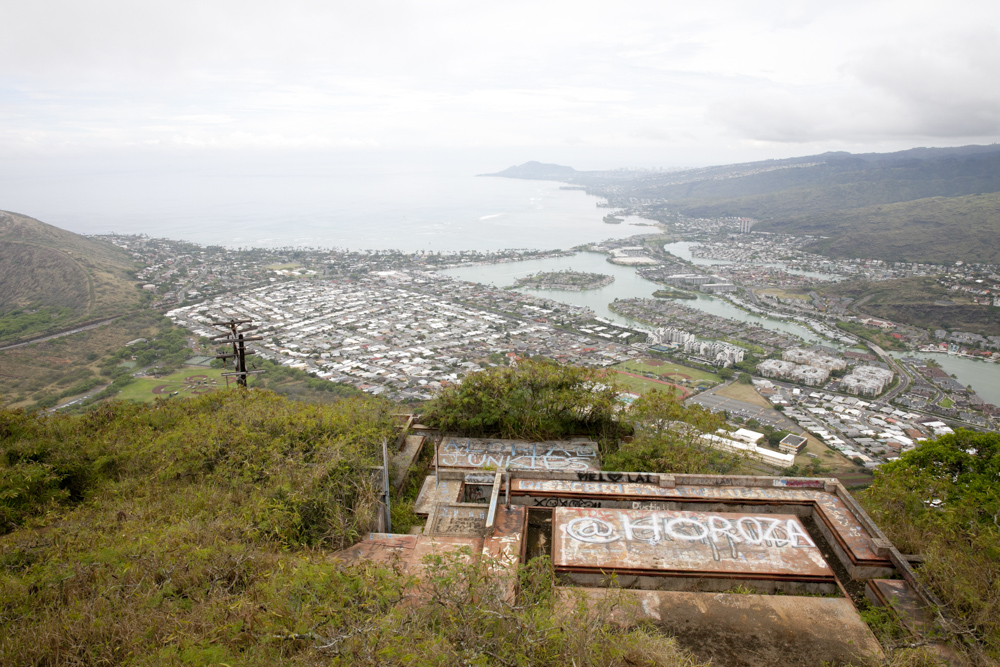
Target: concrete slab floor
[751,630]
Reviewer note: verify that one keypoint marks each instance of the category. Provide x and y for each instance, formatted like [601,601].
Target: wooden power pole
[235,336]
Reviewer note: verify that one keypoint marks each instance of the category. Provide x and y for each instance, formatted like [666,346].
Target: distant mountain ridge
[921,204]
[537,171]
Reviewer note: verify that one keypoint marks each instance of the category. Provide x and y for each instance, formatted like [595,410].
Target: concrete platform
[434,492]
[751,630]
[405,458]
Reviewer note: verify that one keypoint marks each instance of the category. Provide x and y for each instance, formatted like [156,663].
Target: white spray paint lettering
[752,530]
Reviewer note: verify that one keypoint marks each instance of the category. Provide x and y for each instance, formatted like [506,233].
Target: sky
[591,84]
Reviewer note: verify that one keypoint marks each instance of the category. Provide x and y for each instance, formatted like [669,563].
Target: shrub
[535,400]
[942,501]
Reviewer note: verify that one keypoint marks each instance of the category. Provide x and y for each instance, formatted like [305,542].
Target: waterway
[682,250]
[628,284]
[983,376]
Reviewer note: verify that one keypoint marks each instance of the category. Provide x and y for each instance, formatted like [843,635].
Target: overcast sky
[636,83]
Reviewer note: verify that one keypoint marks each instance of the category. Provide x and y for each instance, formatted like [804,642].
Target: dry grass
[48,368]
[42,266]
[745,393]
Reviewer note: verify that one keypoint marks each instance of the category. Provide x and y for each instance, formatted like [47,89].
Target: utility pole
[235,336]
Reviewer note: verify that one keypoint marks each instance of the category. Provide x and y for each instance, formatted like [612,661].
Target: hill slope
[921,301]
[937,230]
[933,204]
[51,278]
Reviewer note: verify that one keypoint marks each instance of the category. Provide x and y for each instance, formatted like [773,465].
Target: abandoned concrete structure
[743,570]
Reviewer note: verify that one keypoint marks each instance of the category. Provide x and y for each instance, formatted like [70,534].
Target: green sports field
[641,385]
[191,381]
[668,372]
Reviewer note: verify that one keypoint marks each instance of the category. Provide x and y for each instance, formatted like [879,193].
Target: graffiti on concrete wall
[602,488]
[518,455]
[672,540]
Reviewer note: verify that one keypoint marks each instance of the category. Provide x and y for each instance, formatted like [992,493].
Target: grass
[782,293]
[42,266]
[839,465]
[946,403]
[204,380]
[934,229]
[640,385]
[668,371]
[923,302]
[745,393]
[50,368]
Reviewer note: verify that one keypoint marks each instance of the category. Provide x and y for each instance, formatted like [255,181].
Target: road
[94,325]
[904,377]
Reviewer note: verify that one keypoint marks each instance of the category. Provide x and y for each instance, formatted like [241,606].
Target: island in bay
[565,280]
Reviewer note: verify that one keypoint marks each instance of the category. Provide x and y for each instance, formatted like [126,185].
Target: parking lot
[745,410]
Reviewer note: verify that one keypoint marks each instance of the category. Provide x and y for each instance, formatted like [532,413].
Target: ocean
[358,205]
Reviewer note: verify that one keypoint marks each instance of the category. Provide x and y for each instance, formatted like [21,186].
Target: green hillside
[924,204]
[921,301]
[51,278]
[831,182]
[936,230]
[203,531]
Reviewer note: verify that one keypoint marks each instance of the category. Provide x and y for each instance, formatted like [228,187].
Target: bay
[628,284]
[983,376]
[355,205]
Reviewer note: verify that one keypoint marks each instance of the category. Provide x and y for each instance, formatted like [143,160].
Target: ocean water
[364,204]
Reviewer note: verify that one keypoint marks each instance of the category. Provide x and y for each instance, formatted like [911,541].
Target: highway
[93,325]
[904,377]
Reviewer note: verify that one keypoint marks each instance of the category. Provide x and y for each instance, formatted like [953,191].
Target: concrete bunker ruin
[723,545]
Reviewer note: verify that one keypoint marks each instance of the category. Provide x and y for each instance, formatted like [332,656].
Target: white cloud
[696,82]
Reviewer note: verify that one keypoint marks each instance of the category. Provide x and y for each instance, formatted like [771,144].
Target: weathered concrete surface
[504,547]
[458,519]
[406,551]
[665,542]
[436,491]
[479,453]
[405,458]
[897,595]
[856,545]
[751,630]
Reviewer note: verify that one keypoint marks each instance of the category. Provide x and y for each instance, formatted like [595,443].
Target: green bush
[667,439]
[303,468]
[942,500]
[535,400]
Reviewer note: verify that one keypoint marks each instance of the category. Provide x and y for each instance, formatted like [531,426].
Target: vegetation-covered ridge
[203,531]
[51,278]
[942,501]
[923,205]
[923,301]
